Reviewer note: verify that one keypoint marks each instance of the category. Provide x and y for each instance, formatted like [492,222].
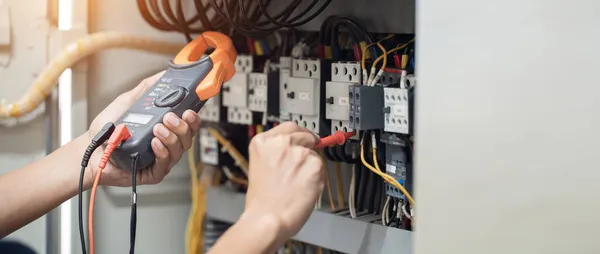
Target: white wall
[27,55]
[162,209]
[507,131]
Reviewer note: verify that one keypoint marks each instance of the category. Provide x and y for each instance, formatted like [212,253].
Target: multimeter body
[173,92]
[188,83]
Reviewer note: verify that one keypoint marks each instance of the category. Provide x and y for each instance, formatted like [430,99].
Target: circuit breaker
[235,91]
[337,102]
[300,94]
[211,112]
[397,163]
[396,110]
[209,148]
[263,92]
[366,107]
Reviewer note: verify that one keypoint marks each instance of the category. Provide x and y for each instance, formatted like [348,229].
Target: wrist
[266,226]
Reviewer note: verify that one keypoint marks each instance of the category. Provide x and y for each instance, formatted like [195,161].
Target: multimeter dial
[171,98]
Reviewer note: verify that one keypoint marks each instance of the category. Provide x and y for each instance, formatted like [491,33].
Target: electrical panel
[396,110]
[366,107]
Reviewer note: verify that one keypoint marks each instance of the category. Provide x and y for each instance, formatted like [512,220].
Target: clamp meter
[190,80]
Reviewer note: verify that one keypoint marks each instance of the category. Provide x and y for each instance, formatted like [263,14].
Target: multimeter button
[170,98]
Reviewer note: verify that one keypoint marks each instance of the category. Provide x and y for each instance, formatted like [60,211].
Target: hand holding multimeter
[190,80]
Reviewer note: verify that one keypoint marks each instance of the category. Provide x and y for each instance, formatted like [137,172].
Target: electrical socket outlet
[257,92]
[337,102]
[346,72]
[310,122]
[239,116]
[306,68]
[211,111]
[396,110]
[285,62]
[209,148]
[244,64]
[235,91]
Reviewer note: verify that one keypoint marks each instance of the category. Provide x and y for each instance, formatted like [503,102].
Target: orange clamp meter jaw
[191,79]
[223,58]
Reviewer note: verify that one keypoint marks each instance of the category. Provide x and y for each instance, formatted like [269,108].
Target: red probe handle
[338,138]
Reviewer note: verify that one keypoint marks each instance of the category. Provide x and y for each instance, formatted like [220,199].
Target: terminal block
[239,116]
[235,91]
[211,111]
[244,64]
[209,148]
[397,163]
[305,68]
[346,72]
[366,107]
[396,103]
[263,92]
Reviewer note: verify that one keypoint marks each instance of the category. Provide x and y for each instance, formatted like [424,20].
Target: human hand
[285,178]
[171,139]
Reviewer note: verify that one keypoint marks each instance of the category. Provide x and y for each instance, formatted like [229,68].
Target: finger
[308,140]
[295,157]
[170,140]
[285,128]
[192,119]
[161,162]
[147,83]
[180,128]
[274,150]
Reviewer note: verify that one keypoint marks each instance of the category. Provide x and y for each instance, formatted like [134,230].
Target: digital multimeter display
[137,118]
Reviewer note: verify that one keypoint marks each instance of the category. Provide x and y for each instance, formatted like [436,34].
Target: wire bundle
[160,15]
[255,18]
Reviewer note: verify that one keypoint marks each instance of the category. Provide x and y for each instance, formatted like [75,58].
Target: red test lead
[338,138]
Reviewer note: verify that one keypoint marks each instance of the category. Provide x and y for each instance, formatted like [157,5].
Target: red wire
[338,138]
[119,135]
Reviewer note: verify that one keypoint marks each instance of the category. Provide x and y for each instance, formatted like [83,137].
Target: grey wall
[507,121]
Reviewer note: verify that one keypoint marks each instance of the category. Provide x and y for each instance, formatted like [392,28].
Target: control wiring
[384,58]
[69,56]
[119,135]
[102,136]
[352,193]
[339,184]
[378,171]
[239,159]
[193,236]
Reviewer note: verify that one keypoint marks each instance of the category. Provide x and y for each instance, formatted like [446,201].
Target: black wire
[80,211]
[263,9]
[133,219]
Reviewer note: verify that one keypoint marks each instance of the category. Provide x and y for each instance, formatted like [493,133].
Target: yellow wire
[385,53]
[383,175]
[327,183]
[194,233]
[384,56]
[340,184]
[234,178]
[234,153]
[364,53]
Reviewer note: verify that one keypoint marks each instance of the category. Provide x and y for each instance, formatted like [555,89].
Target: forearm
[31,191]
[251,235]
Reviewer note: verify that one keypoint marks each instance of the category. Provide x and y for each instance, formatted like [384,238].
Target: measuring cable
[133,220]
[101,137]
